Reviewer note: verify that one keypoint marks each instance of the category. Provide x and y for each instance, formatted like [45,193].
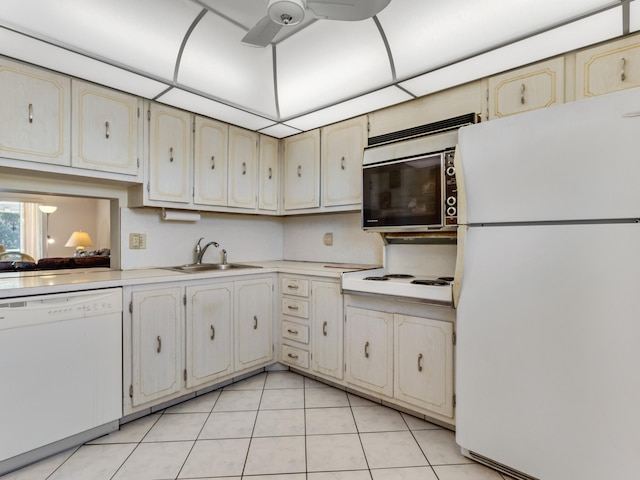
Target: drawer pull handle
[292,332]
[213,162]
[366,350]
[324,329]
[213,332]
[244,168]
[159,349]
[291,355]
[522,89]
[293,287]
[31,113]
[342,163]
[293,307]
[255,322]
[299,170]
[171,154]
[420,362]
[106,130]
[270,173]
[623,75]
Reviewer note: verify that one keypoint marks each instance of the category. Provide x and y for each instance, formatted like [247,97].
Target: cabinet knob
[171,154]
[244,168]
[623,64]
[159,349]
[292,332]
[522,89]
[342,163]
[291,355]
[31,113]
[292,307]
[255,322]
[213,162]
[324,329]
[270,173]
[420,362]
[299,170]
[213,332]
[366,350]
[292,287]
[106,130]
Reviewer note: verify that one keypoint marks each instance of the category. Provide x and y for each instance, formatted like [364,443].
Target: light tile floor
[272,426]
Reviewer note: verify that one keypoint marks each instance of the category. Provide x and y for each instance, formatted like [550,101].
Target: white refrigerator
[548,312]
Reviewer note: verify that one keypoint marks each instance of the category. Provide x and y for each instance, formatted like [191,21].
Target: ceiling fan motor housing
[286,12]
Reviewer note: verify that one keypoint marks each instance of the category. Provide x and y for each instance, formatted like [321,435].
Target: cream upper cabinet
[210,162]
[268,174]
[423,363]
[106,128]
[243,167]
[327,324]
[157,325]
[35,117]
[209,332]
[302,171]
[341,165]
[525,89]
[253,320]
[170,154]
[608,68]
[369,350]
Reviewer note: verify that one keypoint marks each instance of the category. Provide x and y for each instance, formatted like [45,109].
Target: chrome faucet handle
[198,247]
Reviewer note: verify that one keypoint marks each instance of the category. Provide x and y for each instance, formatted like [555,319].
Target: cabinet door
[243,165]
[327,324]
[302,171]
[423,363]
[268,174]
[105,129]
[157,344]
[209,320]
[608,68]
[253,319]
[170,154]
[210,162]
[526,89]
[369,350]
[35,114]
[342,147]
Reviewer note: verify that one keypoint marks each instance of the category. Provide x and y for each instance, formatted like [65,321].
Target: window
[19,227]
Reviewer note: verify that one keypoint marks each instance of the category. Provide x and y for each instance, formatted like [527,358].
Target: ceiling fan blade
[351,10]
[262,33]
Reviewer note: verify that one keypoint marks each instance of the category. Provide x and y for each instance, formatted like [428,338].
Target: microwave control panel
[451,190]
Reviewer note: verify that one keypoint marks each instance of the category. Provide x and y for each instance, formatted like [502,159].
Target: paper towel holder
[179,216]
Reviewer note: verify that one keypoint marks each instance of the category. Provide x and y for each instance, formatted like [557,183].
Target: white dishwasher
[60,368]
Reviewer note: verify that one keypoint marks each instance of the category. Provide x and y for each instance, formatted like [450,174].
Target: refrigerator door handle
[457,277]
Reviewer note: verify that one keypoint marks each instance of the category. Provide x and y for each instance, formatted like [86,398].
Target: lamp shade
[79,240]
[47,208]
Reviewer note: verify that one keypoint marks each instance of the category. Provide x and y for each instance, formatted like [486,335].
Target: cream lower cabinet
[369,350]
[253,302]
[35,114]
[157,326]
[209,332]
[327,329]
[423,363]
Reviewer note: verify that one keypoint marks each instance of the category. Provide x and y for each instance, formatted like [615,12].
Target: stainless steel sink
[205,267]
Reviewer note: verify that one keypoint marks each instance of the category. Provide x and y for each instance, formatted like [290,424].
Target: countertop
[20,284]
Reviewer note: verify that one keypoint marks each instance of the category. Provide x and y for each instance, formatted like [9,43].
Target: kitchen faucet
[200,251]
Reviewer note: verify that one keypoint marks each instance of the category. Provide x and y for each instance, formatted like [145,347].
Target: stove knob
[451,171]
[451,201]
[451,211]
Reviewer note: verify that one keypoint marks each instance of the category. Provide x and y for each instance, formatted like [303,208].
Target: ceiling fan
[281,13]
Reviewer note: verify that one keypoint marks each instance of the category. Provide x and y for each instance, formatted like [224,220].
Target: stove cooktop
[423,288]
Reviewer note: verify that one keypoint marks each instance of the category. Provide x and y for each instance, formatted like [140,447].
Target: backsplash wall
[303,239]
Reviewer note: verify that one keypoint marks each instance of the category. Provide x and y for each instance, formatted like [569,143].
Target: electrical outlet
[137,241]
[328,239]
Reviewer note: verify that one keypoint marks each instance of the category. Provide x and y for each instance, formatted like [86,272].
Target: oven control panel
[451,190]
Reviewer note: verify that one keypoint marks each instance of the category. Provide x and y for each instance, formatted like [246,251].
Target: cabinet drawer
[295,356]
[293,331]
[295,286]
[297,308]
